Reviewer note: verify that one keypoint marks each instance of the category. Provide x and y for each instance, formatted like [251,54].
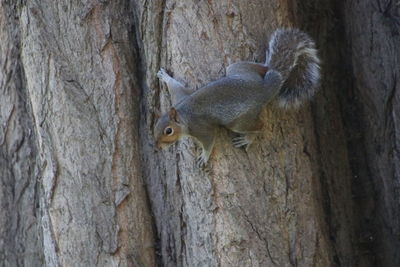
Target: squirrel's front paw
[201,160]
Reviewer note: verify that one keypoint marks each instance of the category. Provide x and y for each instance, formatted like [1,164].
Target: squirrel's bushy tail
[292,53]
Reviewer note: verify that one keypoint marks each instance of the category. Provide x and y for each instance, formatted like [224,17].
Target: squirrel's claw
[201,160]
[243,140]
[239,141]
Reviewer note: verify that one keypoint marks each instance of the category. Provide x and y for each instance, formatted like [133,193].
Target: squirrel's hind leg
[244,68]
[176,89]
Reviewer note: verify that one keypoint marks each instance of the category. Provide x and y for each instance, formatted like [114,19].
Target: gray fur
[292,53]
[291,74]
[176,89]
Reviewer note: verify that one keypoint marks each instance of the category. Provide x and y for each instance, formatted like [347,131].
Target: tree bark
[82,182]
[20,230]
[373,43]
[77,64]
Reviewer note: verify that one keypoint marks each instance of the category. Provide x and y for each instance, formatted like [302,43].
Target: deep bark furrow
[20,231]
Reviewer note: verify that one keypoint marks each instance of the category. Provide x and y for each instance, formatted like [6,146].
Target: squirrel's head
[167,130]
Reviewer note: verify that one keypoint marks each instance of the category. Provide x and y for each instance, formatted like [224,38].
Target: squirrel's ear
[172,114]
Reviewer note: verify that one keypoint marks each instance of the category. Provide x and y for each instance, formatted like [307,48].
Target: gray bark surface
[81,181]
[20,230]
[78,63]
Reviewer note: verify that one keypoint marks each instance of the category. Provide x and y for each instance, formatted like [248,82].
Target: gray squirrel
[290,74]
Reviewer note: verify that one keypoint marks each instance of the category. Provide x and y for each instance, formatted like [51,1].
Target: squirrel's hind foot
[243,141]
[163,75]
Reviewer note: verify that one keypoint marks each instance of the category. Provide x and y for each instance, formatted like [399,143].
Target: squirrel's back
[231,98]
[292,53]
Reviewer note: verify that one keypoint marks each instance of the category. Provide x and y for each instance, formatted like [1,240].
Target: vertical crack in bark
[182,253]
[19,238]
[160,39]
[138,34]
[49,237]
[259,235]
[6,125]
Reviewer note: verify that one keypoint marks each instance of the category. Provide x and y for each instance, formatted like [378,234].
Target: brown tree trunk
[71,91]
[82,183]
[373,117]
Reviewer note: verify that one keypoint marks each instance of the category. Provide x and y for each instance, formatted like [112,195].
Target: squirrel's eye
[168,131]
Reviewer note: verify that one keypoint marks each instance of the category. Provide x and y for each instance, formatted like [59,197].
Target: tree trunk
[20,231]
[373,117]
[82,183]
[73,88]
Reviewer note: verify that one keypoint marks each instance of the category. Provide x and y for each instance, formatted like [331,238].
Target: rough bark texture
[77,62]
[374,41]
[82,185]
[256,208]
[20,230]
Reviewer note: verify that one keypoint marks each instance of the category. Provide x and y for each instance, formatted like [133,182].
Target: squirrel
[291,75]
